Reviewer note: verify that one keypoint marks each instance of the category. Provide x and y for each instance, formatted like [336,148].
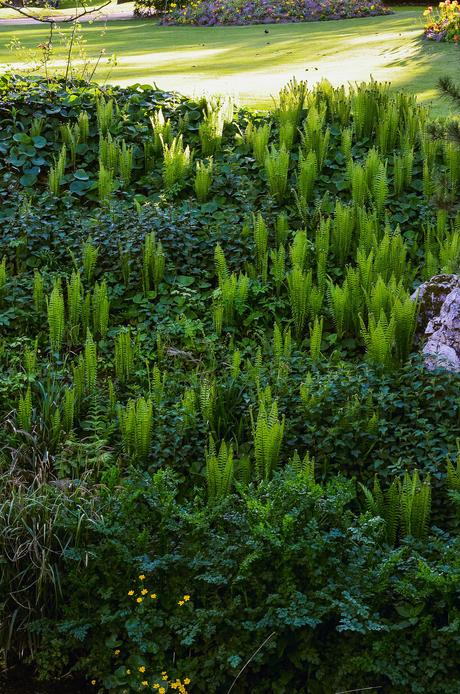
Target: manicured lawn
[253,64]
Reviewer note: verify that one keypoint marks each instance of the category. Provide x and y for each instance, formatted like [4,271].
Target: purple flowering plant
[240,12]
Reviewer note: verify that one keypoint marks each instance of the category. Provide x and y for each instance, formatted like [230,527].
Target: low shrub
[443,23]
[215,12]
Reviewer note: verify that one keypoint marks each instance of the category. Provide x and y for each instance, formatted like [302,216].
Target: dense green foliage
[208,377]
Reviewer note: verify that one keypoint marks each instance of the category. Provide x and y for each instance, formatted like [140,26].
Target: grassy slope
[253,65]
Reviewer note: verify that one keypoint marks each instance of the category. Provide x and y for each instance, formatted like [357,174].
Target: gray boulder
[439,321]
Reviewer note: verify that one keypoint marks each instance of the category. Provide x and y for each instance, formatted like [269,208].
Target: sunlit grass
[253,64]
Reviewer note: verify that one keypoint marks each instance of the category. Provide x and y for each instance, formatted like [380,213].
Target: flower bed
[443,23]
[215,12]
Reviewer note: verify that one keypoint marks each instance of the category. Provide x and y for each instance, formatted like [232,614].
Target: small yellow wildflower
[93,681]
[139,600]
[165,677]
[156,685]
[144,591]
[130,592]
[142,668]
[128,672]
[186,598]
[145,683]
[117,651]
[162,690]
[153,596]
[141,577]
[187,680]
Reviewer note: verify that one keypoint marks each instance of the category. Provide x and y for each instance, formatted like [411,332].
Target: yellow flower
[128,672]
[142,668]
[130,592]
[117,651]
[162,690]
[181,602]
[153,596]
[145,683]
[144,591]
[156,685]
[187,680]
[141,577]
[93,681]
[139,600]
[165,677]
[186,598]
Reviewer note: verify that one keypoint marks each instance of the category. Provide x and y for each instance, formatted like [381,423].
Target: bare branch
[52,20]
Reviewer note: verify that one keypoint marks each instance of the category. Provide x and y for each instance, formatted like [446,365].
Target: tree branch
[49,20]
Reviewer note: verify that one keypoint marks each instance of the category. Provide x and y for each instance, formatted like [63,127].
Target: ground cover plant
[222,456]
[265,12]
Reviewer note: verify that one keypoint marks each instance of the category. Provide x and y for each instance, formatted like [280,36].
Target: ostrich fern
[74,306]
[278,266]
[207,400]
[342,232]
[90,363]
[100,306]
[176,164]
[277,169]
[260,234]
[56,317]
[105,114]
[281,229]
[299,250]
[89,259]
[136,427]
[303,467]
[203,179]
[38,291]
[57,172]
[299,288]
[268,432]
[379,339]
[219,470]
[153,262]
[124,356]
[260,140]
[220,264]
[3,275]
[316,334]
[162,131]
[24,413]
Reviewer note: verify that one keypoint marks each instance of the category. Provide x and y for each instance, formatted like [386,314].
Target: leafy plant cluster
[251,590]
[208,378]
